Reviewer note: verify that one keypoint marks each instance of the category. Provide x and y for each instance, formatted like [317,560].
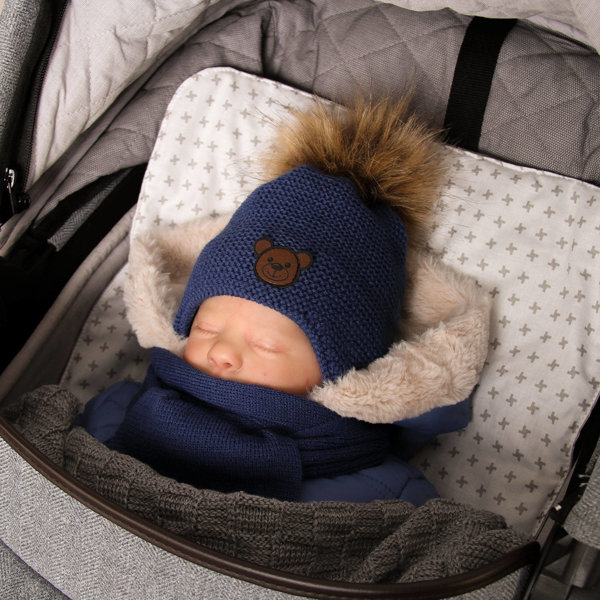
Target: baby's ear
[304,259]
[263,244]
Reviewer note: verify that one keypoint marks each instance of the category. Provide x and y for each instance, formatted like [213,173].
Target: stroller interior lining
[515,454]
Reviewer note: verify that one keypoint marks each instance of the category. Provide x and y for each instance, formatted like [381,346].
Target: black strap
[472,81]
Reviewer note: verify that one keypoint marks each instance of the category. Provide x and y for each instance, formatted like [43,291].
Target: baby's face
[237,339]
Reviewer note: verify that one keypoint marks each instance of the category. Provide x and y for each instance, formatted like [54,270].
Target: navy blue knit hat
[306,245]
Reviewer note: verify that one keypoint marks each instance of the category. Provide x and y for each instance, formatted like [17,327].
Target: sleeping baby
[285,377]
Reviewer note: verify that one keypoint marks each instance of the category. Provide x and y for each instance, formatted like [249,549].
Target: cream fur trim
[437,363]
[159,266]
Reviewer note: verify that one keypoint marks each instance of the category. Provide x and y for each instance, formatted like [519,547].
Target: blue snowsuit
[231,436]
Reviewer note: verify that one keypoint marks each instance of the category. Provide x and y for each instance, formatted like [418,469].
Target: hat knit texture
[307,246]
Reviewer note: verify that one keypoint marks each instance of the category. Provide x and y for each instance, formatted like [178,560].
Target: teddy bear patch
[278,265]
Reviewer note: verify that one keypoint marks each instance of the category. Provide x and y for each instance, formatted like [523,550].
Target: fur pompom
[387,150]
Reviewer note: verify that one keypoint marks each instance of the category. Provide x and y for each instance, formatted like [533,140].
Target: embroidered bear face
[278,265]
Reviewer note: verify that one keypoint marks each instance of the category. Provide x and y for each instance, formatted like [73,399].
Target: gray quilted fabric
[544,98]
[544,105]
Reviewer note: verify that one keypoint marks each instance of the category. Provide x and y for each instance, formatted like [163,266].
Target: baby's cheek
[192,354]
[186,353]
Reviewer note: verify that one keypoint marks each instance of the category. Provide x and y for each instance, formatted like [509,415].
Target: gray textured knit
[383,542]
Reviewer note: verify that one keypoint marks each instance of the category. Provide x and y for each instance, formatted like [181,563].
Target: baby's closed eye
[268,346]
[206,330]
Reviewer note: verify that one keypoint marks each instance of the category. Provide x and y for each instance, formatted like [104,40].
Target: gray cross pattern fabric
[528,237]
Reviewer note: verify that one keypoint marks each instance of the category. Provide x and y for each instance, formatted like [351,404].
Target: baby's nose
[224,357]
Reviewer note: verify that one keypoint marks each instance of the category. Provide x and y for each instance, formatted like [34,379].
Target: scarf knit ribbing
[232,436]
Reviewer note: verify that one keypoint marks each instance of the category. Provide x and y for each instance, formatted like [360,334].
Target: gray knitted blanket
[378,542]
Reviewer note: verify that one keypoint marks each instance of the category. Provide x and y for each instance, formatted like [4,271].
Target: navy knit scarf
[231,436]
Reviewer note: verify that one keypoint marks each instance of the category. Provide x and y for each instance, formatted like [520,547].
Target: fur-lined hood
[436,363]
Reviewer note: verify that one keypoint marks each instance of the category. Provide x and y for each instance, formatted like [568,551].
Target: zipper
[13,198]
[14,201]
